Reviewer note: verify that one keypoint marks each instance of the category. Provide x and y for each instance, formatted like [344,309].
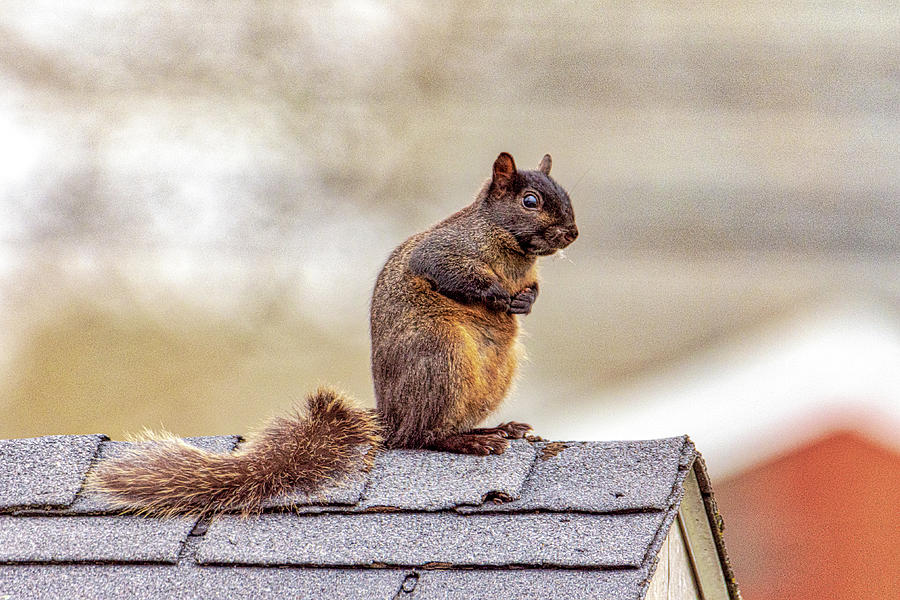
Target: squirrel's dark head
[531,206]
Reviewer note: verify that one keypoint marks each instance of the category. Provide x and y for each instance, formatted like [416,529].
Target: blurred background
[196,198]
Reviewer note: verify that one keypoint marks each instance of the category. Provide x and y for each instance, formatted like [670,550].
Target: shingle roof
[561,520]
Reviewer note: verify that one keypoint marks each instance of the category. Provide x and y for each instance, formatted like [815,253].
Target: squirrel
[444,347]
[444,354]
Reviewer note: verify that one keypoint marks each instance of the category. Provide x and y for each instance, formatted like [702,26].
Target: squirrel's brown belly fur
[439,366]
[484,348]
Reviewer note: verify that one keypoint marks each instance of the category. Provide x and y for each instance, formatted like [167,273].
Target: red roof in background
[822,521]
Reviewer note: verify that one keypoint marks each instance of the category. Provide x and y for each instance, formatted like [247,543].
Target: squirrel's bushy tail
[165,476]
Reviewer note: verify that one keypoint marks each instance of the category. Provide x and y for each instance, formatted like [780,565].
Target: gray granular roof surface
[568,540]
[544,520]
[417,480]
[45,471]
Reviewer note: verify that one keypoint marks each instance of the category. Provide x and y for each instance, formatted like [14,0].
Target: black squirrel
[444,353]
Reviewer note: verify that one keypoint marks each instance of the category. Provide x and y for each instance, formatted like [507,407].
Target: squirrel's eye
[530,201]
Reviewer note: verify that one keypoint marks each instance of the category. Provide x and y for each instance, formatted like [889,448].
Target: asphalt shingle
[529,584]
[45,471]
[160,582]
[423,480]
[602,477]
[81,539]
[344,493]
[570,540]
[342,496]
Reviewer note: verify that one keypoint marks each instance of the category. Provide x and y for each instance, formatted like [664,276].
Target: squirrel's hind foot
[512,430]
[477,443]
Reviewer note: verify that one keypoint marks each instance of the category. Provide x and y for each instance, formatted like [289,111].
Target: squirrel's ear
[504,172]
[546,162]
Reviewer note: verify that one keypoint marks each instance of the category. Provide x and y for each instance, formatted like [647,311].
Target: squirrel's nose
[571,234]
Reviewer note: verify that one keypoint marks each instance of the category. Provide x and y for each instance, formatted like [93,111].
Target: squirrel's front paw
[496,298]
[520,304]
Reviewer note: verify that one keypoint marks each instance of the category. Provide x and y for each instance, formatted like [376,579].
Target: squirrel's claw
[515,430]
